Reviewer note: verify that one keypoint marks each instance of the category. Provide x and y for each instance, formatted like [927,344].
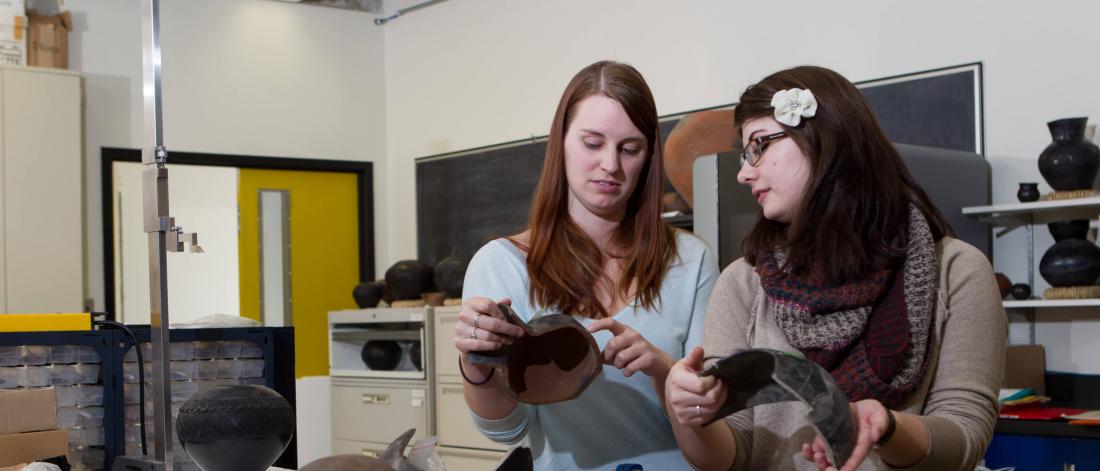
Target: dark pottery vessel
[1070,162]
[1021,291]
[1069,229]
[449,275]
[409,279]
[235,427]
[1028,192]
[381,355]
[1003,284]
[367,295]
[1071,262]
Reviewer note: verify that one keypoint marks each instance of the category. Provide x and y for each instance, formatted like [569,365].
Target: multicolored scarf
[872,334]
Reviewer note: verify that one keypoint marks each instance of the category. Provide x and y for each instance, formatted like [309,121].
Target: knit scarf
[871,334]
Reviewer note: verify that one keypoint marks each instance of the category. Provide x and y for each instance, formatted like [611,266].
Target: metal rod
[405,11]
[157,224]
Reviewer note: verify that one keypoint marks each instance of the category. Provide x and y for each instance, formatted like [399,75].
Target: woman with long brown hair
[851,266]
[596,248]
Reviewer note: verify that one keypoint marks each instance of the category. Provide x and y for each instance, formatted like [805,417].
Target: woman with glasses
[851,266]
[595,247]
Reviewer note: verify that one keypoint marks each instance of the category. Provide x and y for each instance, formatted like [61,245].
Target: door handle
[380,399]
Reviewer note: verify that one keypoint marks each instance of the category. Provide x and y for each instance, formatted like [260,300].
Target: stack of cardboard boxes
[37,36]
[28,426]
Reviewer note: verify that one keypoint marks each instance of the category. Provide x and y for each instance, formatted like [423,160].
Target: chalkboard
[467,198]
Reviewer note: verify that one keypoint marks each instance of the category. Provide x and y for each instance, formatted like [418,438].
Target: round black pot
[1028,192]
[1070,162]
[408,279]
[449,274]
[1021,291]
[1071,262]
[235,427]
[367,295]
[381,355]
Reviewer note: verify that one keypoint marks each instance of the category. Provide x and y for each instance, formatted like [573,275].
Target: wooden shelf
[1051,303]
[1038,212]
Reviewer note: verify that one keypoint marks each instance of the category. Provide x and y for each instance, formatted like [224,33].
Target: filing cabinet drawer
[453,424]
[446,355]
[378,413]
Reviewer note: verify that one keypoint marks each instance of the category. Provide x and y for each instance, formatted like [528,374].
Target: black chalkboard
[466,198]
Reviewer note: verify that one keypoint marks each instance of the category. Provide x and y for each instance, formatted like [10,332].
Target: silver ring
[473,333]
[698,411]
[477,318]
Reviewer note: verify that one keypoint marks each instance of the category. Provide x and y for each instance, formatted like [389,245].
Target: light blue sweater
[617,419]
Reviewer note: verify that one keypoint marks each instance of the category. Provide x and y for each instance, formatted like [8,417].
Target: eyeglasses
[757,145]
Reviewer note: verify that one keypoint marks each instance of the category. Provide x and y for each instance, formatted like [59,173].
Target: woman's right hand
[693,399]
[481,327]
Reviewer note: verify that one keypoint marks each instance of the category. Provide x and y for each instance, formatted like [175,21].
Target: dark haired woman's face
[604,156]
[780,178]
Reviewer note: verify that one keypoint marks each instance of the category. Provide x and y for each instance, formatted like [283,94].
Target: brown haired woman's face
[780,178]
[604,156]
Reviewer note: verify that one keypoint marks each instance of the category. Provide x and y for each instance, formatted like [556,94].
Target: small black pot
[409,279]
[1071,262]
[381,355]
[1028,192]
[367,295]
[449,275]
[1021,291]
[1069,162]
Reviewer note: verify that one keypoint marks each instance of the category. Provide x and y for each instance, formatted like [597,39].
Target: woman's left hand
[869,417]
[631,352]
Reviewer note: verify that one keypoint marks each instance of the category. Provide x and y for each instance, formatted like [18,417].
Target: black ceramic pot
[1071,262]
[235,427]
[1069,229]
[1021,291]
[367,295]
[381,355]
[1070,162]
[449,274]
[1028,192]
[408,279]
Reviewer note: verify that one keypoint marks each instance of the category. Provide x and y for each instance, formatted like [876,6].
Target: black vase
[1028,192]
[408,279]
[235,427]
[1069,229]
[1071,262]
[1070,162]
[449,275]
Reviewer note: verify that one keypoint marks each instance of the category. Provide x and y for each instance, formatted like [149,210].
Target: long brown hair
[566,266]
[853,219]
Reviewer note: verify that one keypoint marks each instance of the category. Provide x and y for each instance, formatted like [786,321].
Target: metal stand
[164,236]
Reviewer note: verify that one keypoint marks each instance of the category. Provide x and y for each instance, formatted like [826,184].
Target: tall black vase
[1070,162]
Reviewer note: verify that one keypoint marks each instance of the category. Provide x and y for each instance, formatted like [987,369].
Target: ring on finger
[698,411]
[477,318]
[473,333]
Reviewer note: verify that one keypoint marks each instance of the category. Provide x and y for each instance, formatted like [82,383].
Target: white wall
[469,73]
[199,284]
[253,77]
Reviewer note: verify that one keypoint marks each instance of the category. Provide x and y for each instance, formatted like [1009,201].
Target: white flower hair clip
[794,104]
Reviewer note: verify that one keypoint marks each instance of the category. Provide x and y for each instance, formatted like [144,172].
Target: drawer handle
[370,453]
[380,399]
[452,389]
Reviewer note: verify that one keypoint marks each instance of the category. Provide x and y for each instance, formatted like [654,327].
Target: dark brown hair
[853,218]
[565,266]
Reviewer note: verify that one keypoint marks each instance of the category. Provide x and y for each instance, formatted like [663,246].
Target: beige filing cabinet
[42,194]
[370,408]
[461,445]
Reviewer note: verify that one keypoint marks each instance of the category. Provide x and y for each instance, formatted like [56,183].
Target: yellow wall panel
[324,255]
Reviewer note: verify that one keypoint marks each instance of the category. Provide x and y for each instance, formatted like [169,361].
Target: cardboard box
[13,7]
[27,410]
[19,448]
[48,40]
[1025,367]
[13,40]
